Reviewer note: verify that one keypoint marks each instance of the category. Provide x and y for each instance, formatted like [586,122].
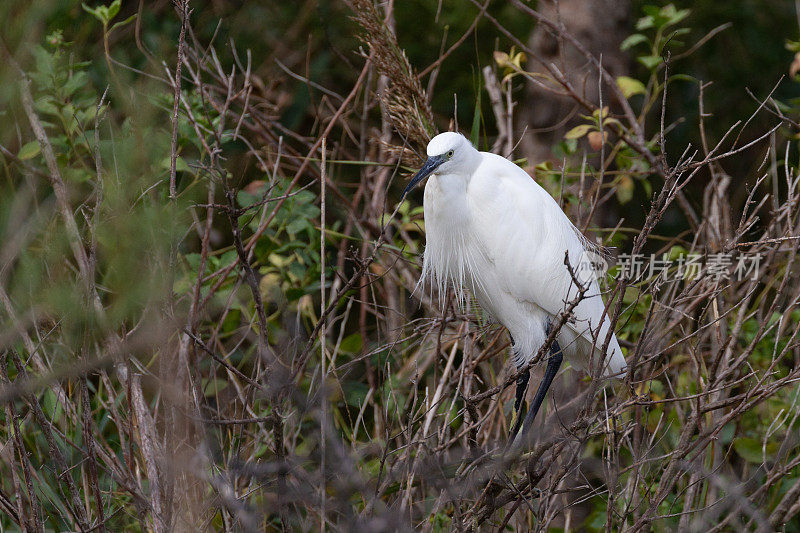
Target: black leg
[553,364]
[519,400]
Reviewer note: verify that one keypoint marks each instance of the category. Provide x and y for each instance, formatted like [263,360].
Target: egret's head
[448,153]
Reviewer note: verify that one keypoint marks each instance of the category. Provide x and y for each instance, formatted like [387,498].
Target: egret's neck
[452,185]
[451,259]
[446,201]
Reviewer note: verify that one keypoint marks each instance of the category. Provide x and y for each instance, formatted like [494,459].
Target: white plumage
[492,229]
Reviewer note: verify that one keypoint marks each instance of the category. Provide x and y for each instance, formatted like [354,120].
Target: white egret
[492,229]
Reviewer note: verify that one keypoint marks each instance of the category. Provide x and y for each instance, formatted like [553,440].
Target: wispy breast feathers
[452,260]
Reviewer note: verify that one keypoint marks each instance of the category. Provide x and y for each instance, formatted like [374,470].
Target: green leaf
[90,10]
[46,105]
[645,23]
[352,344]
[578,131]
[679,32]
[29,151]
[633,40]
[476,122]
[651,10]
[76,81]
[673,15]
[648,189]
[566,147]
[683,77]
[180,165]
[625,189]
[100,12]
[243,198]
[123,22]
[113,9]
[232,320]
[212,386]
[293,294]
[45,65]
[630,86]
[650,62]
[750,449]
[297,270]
[77,175]
[355,393]
[597,114]
[50,404]
[297,225]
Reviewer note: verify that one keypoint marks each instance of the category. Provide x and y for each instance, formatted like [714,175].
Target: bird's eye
[450,153]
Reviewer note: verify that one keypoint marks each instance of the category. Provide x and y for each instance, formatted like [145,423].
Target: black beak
[427,169]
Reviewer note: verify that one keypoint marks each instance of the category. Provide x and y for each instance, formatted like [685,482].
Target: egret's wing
[526,235]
